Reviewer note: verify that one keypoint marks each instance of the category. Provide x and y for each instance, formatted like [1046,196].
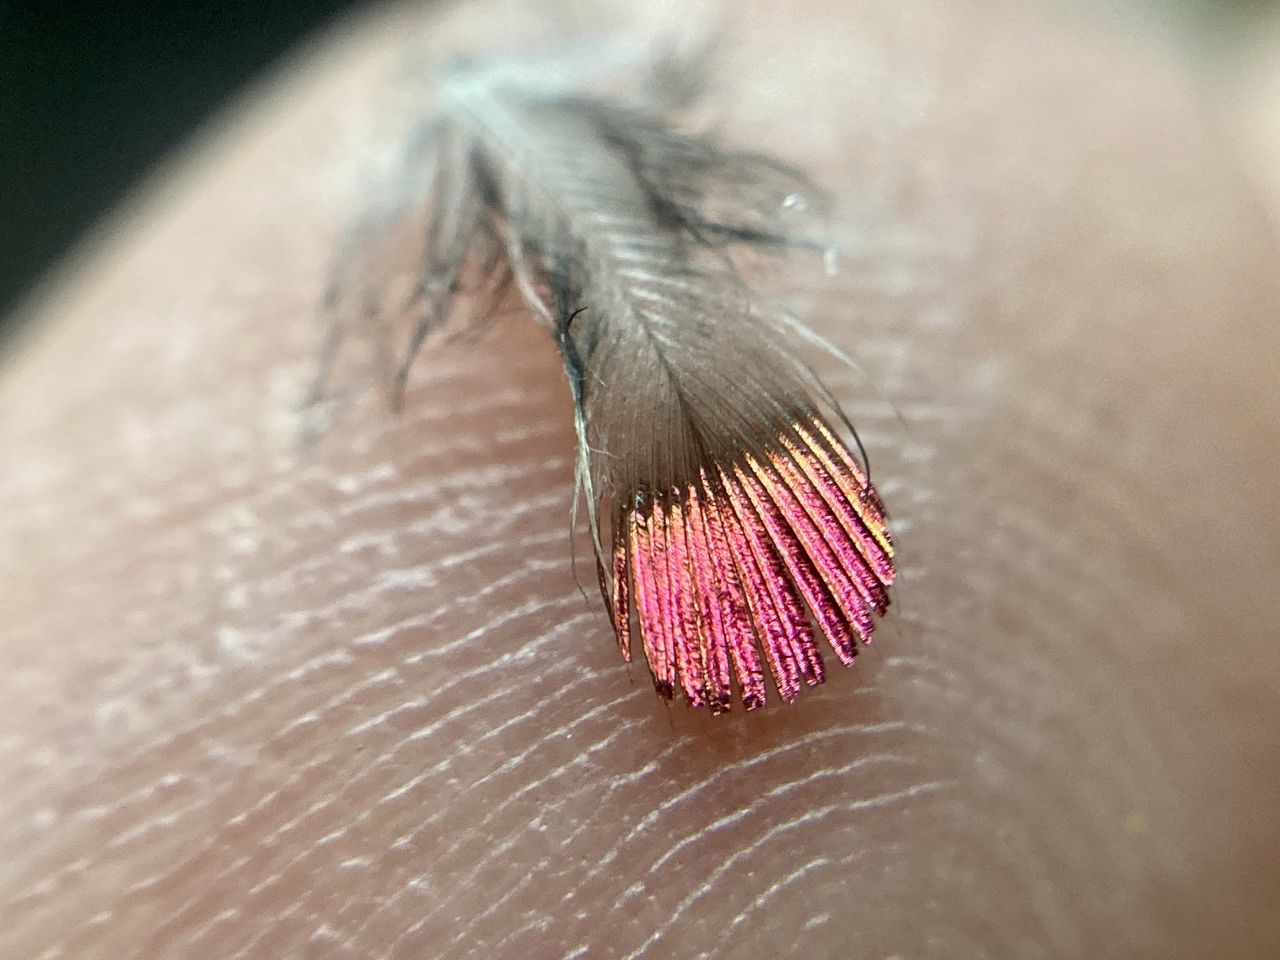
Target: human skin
[259,703]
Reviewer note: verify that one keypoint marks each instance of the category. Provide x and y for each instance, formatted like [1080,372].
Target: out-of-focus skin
[1248,83]
[354,705]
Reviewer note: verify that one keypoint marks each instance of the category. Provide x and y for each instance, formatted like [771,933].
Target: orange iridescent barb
[746,561]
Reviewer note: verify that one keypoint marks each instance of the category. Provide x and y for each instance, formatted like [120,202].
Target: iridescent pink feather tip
[742,527]
[744,560]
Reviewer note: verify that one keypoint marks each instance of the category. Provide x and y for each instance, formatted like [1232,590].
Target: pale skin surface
[356,706]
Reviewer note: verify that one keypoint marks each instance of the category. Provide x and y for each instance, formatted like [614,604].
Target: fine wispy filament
[732,526]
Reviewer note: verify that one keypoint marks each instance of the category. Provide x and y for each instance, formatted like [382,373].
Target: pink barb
[725,574]
[860,553]
[735,615]
[859,493]
[689,651]
[795,545]
[769,625]
[818,569]
[648,605]
[788,638]
[835,552]
[715,620]
[666,596]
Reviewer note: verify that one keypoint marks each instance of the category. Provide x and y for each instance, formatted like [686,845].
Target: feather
[739,526]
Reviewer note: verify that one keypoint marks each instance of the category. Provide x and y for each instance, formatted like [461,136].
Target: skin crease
[257,704]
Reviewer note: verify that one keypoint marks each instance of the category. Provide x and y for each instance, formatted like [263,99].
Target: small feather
[740,524]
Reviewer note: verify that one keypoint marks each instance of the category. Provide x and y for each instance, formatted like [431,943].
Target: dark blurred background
[91,98]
